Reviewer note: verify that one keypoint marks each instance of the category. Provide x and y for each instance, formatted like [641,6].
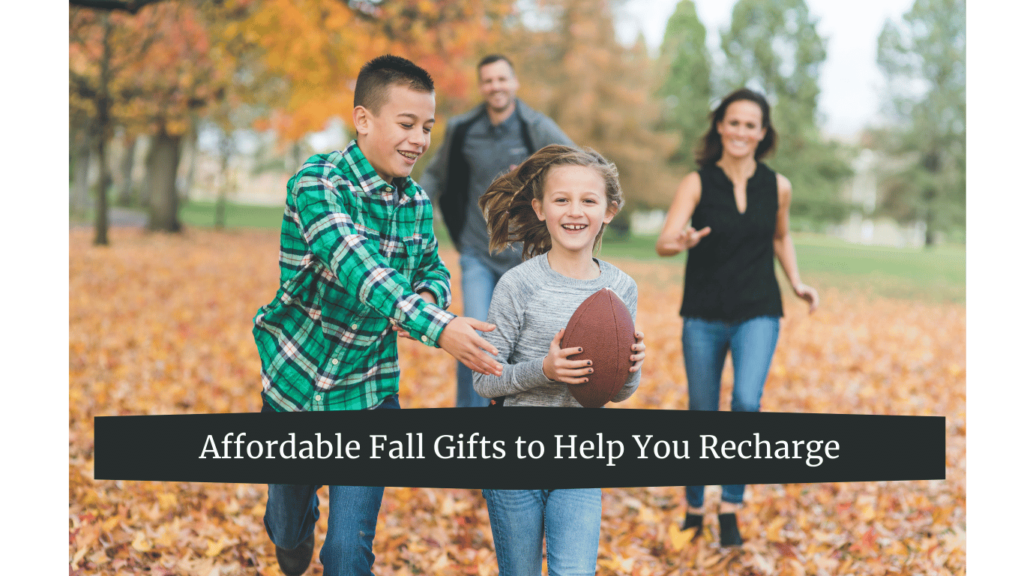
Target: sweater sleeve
[633,382]
[506,313]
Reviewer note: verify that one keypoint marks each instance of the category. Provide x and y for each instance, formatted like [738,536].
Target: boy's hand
[559,368]
[400,331]
[460,339]
[640,350]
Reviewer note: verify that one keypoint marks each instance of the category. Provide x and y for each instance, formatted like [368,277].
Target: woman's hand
[559,368]
[808,294]
[689,238]
[640,353]
[676,233]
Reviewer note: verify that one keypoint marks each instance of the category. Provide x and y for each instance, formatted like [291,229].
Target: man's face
[498,85]
[393,139]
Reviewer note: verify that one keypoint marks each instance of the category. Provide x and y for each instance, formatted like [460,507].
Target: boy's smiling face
[394,138]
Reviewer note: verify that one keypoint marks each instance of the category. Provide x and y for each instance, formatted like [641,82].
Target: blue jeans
[522,519]
[292,512]
[705,343]
[478,282]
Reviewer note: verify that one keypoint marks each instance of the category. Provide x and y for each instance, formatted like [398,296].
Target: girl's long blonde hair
[507,203]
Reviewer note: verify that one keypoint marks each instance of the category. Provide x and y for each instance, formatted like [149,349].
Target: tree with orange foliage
[598,90]
[156,70]
[148,72]
[317,47]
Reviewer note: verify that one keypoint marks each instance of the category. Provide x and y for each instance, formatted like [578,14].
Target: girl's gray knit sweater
[531,303]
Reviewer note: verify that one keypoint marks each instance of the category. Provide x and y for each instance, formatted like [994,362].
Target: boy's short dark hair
[491,59]
[378,75]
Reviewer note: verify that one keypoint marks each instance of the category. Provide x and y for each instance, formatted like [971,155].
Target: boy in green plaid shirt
[359,266]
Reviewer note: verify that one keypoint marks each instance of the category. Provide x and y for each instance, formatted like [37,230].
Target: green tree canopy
[775,47]
[686,85]
[924,61]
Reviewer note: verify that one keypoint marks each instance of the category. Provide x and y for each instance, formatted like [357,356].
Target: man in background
[479,145]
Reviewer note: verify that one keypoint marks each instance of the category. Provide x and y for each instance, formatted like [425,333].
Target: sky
[851,83]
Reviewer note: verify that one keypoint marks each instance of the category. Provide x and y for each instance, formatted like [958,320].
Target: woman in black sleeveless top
[731,300]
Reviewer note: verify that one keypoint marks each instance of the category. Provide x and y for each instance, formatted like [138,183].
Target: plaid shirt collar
[371,182]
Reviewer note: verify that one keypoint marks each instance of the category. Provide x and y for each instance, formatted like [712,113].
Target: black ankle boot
[730,531]
[295,561]
[694,520]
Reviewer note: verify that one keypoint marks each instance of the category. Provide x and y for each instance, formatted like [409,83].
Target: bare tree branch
[130,6]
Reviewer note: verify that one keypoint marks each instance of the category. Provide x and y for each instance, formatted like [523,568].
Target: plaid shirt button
[335,361]
[424,338]
[355,326]
[317,397]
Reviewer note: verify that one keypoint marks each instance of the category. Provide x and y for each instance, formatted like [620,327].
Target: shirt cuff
[436,289]
[431,322]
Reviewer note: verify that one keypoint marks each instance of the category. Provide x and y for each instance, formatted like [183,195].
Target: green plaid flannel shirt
[354,253]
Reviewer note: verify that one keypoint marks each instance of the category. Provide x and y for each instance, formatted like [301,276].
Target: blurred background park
[187,117]
[196,113]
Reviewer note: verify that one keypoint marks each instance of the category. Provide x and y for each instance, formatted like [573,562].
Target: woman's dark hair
[508,202]
[710,148]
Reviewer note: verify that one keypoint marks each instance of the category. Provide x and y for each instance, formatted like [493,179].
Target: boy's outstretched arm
[460,339]
[333,237]
[464,344]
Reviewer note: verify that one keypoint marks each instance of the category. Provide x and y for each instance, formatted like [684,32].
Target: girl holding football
[557,204]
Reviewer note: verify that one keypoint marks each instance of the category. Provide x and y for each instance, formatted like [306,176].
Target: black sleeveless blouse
[730,274]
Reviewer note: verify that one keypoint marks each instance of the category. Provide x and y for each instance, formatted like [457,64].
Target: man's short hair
[378,75]
[491,59]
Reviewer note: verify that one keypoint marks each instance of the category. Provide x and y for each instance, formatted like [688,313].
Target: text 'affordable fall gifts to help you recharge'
[520,448]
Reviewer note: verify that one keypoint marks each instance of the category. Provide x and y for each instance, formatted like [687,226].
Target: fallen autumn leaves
[162,325]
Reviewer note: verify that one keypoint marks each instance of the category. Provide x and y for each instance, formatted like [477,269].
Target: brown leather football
[603,327]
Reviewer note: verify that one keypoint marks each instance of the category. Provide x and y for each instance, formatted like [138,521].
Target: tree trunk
[80,172]
[220,215]
[143,192]
[72,135]
[124,196]
[102,131]
[293,158]
[101,196]
[162,170]
[929,228]
[192,141]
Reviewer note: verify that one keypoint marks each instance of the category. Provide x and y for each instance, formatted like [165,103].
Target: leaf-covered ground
[162,325]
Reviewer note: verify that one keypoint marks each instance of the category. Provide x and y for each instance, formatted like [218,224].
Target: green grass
[933,274]
[202,215]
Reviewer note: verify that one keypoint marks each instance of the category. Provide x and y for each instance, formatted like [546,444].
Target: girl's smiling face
[575,207]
